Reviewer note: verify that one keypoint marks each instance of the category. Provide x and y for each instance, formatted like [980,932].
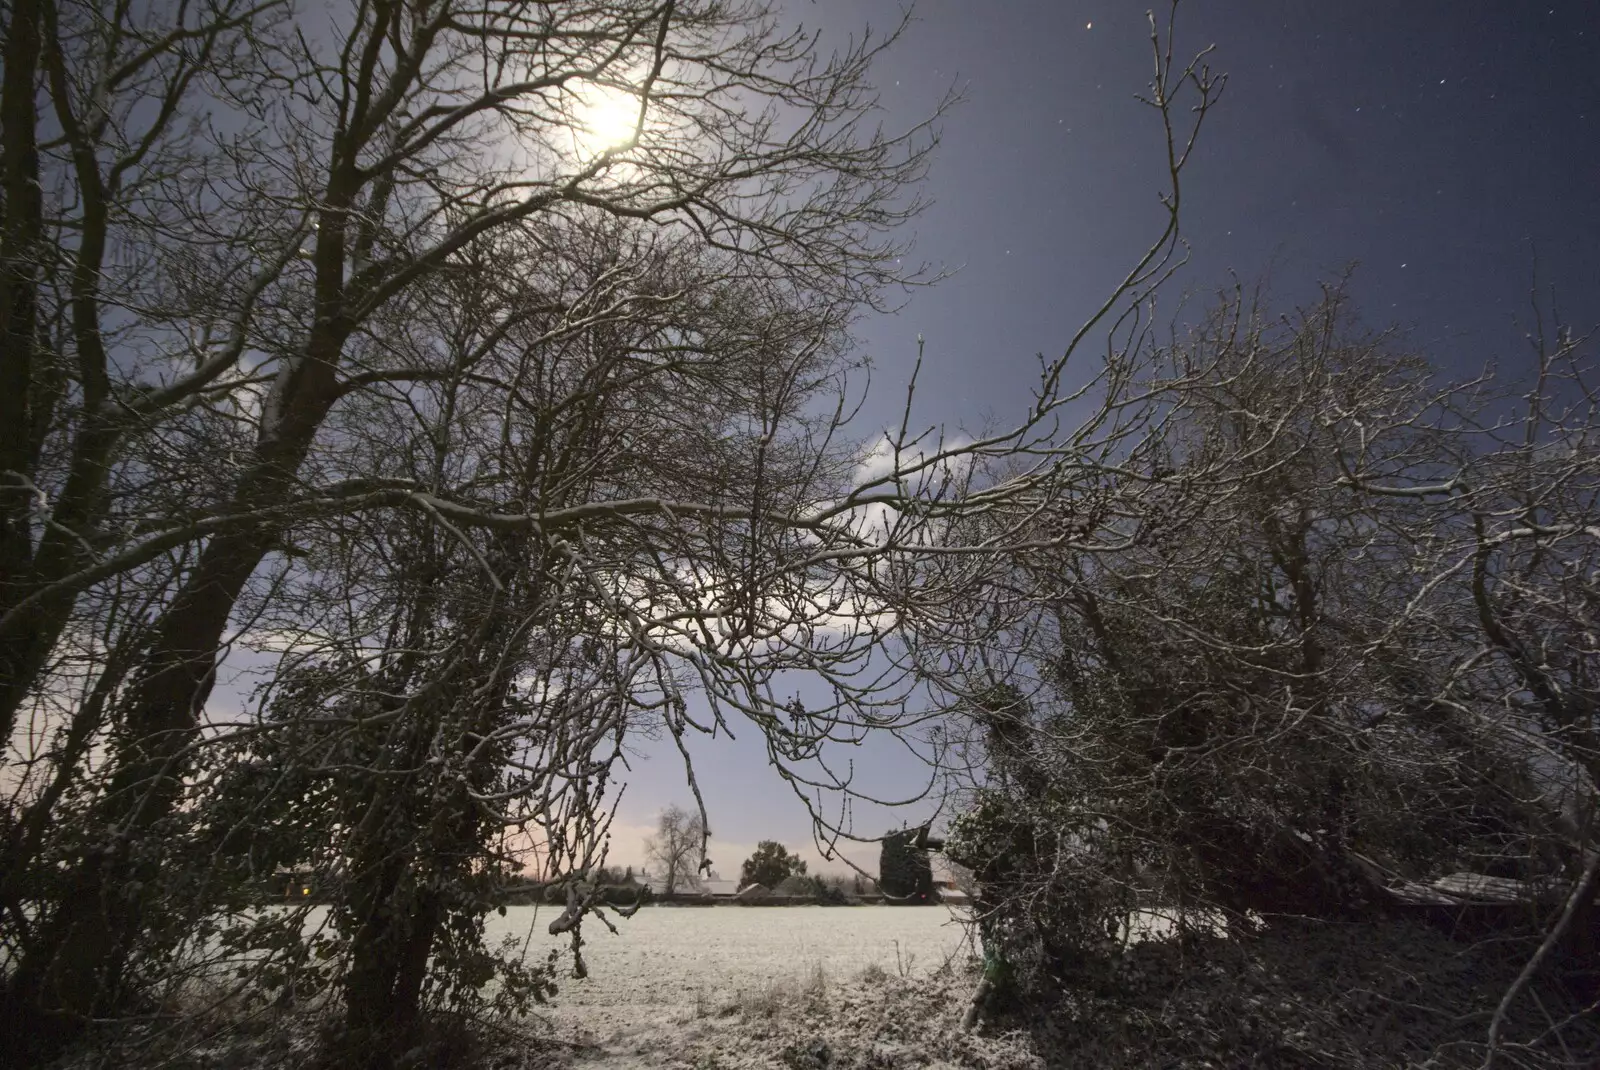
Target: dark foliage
[1333,996]
[770,865]
[1285,697]
[904,872]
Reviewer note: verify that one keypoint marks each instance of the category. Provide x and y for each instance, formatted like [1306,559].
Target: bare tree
[678,849]
[508,441]
[267,276]
[504,677]
[1279,685]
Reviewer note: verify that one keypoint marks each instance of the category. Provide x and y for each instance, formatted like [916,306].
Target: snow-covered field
[731,988]
[685,959]
[675,974]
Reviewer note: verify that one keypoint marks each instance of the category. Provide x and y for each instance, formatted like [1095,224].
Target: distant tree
[904,871]
[832,891]
[770,865]
[678,849]
[797,887]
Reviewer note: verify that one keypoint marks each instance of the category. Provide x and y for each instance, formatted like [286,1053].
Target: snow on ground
[720,986]
[670,955]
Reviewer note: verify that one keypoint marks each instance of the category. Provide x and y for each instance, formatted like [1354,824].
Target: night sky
[1449,150]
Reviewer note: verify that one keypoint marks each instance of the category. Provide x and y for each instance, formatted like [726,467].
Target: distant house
[717,889]
[298,884]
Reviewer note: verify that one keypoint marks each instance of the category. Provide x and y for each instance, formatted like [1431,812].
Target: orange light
[305,891]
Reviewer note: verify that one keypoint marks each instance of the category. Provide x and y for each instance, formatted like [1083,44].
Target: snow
[677,982]
[669,959]
[723,988]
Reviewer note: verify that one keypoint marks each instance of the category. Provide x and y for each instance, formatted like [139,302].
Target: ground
[723,988]
[886,988]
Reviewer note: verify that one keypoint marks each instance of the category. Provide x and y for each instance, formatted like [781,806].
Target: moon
[607,118]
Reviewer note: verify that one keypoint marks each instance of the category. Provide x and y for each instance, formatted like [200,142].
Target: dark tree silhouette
[770,865]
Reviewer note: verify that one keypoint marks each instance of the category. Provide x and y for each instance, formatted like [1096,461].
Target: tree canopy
[677,851]
[770,865]
[1330,695]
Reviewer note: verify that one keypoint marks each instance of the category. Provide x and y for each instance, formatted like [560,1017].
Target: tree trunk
[388,963]
[76,967]
[20,232]
[411,827]
[74,970]
[400,920]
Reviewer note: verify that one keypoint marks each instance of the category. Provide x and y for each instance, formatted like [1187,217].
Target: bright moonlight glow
[607,119]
